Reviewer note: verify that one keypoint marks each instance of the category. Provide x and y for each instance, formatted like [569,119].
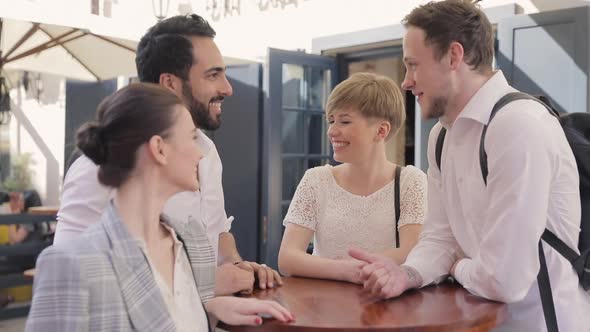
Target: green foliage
[21,174]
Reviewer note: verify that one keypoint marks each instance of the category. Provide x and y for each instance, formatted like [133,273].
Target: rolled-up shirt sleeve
[211,207]
[83,200]
[437,249]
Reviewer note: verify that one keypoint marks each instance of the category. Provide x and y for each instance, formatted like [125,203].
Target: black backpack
[576,127]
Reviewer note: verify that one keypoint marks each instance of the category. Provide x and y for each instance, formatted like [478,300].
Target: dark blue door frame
[272,179]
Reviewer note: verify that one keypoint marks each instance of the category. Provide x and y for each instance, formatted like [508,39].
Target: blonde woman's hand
[242,311]
[352,269]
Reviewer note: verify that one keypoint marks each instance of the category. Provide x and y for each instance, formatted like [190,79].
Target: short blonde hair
[374,96]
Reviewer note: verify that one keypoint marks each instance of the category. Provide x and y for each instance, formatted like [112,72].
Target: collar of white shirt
[480,105]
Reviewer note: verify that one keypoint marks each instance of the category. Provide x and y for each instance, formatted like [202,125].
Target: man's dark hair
[167,48]
[461,21]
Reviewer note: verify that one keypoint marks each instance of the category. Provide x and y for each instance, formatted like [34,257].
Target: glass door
[295,134]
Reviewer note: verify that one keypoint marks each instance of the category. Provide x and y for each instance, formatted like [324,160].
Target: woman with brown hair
[138,270]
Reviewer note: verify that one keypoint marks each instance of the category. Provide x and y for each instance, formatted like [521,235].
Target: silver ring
[263,265]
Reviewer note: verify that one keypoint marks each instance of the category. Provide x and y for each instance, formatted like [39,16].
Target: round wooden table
[322,305]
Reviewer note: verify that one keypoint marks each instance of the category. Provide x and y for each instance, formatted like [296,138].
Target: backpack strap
[483,157]
[508,98]
[546,294]
[439,145]
[580,263]
[398,171]
[543,276]
[557,244]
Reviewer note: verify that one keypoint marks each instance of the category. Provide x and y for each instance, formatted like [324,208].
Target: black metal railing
[16,277]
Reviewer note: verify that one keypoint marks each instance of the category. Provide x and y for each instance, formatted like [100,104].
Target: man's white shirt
[532,184]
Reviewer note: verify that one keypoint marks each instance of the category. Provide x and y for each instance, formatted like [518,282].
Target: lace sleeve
[303,209]
[413,197]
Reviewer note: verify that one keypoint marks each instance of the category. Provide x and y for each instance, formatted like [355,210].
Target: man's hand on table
[241,278]
[384,278]
[266,277]
[230,279]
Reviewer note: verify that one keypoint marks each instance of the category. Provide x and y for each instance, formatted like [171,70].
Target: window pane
[315,162]
[292,132]
[293,86]
[317,131]
[293,169]
[319,82]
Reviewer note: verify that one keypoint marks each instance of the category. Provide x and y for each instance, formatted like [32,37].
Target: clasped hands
[382,277]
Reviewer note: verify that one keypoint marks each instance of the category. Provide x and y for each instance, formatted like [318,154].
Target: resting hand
[241,311]
[382,277]
[230,279]
[267,277]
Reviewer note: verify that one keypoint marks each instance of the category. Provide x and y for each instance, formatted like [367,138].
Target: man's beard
[200,111]
[437,108]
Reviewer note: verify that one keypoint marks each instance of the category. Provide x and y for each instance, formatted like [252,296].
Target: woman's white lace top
[342,220]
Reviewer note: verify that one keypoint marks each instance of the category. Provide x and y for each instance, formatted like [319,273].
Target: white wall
[249,33]
[292,24]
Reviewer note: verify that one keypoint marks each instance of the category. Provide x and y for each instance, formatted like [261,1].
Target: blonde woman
[352,205]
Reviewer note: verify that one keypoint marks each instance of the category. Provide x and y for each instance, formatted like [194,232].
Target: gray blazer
[102,282]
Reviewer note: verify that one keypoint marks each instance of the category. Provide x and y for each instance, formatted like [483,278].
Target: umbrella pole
[4,94]
[1,57]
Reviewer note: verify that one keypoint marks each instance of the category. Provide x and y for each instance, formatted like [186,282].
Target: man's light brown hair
[462,21]
[374,96]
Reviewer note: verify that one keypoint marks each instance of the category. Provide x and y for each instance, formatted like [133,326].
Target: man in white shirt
[486,236]
[180,54]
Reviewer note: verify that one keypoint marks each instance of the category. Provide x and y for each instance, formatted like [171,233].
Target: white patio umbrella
[73,52]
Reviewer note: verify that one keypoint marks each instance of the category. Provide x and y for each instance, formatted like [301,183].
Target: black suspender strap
[546,294]
[398,171]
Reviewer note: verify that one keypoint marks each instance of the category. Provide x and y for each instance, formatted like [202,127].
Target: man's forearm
[228,252]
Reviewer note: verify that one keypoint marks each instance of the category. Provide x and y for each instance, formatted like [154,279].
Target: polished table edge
[484,323]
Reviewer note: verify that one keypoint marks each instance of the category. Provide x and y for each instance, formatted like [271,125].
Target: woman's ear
[157,150]
[383,130]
